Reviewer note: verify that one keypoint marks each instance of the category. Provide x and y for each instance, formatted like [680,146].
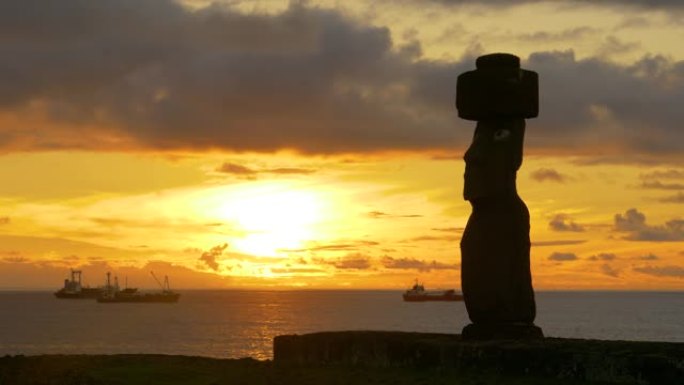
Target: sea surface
[234,324]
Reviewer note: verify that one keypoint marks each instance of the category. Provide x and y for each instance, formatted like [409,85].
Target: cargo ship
[73,289]
[418,294]
[113,294]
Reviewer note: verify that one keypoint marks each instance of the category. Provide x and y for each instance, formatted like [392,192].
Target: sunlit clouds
[278,144]
[369,223]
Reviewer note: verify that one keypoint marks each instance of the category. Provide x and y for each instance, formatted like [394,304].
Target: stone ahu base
[485,332]
[595,361]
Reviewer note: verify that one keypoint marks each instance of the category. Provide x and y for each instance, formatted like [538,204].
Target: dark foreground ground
[177,370]
[374,357]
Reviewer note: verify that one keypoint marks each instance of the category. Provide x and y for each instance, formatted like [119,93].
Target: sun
[272,217]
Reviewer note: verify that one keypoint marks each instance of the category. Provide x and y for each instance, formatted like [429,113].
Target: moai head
[498,88]
[499,95]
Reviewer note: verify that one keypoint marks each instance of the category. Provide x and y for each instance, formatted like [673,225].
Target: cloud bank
[210,257]
[548,174]
[661,271]
[415,264]
[154,75]
[562,222]
[633,223]
[562,257]
[654,4]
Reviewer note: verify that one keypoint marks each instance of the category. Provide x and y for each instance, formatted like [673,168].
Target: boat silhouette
[113,294]
[73,289]
[417,293]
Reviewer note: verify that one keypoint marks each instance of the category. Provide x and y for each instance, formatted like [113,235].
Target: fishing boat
[73,289]
[113,294]
[417,293]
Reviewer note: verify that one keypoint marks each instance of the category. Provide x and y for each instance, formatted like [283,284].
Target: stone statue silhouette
[495,248]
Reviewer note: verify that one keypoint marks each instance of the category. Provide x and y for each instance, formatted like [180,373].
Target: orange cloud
[415,264]
[251,173]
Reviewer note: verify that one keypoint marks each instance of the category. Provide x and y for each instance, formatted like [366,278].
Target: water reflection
[233,324]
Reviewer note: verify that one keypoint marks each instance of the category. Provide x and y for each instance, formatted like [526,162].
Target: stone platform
[486,332]
[617,362]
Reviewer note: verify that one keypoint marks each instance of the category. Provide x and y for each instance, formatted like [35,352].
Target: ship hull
[143,298]
[85,293]
[432,297]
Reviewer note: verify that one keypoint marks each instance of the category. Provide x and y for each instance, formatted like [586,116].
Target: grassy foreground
[184,370]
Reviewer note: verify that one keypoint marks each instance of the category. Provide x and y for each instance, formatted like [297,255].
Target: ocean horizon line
[298,289]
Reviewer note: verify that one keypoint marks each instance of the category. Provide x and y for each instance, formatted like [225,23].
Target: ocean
[235,324]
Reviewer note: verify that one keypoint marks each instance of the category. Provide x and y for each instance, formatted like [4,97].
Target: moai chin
[495,248]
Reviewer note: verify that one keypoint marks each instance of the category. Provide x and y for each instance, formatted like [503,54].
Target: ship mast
[158,282]
[76,278]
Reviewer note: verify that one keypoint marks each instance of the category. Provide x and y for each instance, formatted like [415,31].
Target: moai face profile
[493,159]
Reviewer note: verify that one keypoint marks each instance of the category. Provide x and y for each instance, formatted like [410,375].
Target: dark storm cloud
[656,4]
[308,79]
[639,102]
[415,264]
[634,224]
[547,174]
[562,257]
[641,3]
[159,76]
[562,222]
[661,271]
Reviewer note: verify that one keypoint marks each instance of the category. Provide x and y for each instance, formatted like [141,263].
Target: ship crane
[165,286]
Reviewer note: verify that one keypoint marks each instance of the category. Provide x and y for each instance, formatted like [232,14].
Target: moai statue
[495,248]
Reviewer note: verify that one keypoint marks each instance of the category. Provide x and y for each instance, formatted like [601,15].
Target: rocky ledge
[616,362]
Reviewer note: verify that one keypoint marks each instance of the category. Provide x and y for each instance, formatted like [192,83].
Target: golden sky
[275,144]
